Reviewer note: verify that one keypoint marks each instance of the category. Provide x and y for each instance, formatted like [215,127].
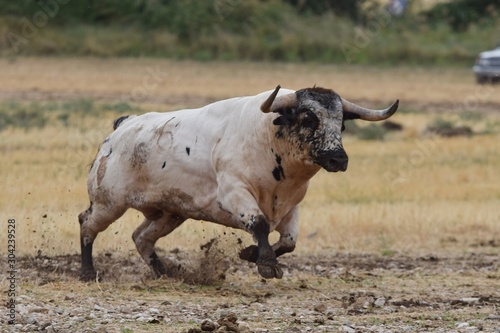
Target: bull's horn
[368,114]
[272,103]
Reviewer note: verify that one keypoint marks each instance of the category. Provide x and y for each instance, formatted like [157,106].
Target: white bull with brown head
[244,162]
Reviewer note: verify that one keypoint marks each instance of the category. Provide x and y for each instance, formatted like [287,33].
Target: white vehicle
[487,67]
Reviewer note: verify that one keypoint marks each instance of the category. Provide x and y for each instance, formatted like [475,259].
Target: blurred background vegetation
[324,31]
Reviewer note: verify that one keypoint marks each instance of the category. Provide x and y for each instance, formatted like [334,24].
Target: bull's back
[159,160]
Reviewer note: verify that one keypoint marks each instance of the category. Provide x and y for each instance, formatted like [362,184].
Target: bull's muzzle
[333,160]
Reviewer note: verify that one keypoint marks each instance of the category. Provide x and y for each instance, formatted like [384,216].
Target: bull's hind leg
[146,235]
[92,221]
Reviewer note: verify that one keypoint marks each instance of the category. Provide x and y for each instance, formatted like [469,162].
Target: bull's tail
[117,122]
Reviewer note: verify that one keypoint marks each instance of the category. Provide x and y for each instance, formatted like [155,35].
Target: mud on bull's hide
[243,162]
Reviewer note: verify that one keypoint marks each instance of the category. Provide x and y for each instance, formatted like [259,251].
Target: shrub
[22,118]
[372,132]
[441,123]
[461,14]
[447,128]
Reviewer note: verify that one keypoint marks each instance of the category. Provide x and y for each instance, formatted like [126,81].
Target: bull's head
[313,119]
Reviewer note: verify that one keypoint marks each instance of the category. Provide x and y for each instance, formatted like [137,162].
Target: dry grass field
[415,219]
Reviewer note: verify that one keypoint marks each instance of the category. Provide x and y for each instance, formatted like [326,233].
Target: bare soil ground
[324,293]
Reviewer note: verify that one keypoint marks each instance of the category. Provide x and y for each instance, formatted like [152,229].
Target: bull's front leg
[288,230]
[236,200]
[266,260]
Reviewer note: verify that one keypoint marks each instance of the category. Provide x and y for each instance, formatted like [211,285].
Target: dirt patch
[205,267]
[212,265]
[212,262]
[214,291]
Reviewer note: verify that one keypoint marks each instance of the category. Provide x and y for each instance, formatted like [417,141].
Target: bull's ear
[286,117]
[281,121]
[350,115]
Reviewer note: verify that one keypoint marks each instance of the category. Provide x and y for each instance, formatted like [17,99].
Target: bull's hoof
[268,271]
[157,267]
[162,274]
[159,271]
[88,275]
[250,253]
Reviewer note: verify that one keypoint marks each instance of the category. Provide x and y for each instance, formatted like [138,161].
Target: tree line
[285,30]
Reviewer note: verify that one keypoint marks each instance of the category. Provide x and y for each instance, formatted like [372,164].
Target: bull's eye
[310,120]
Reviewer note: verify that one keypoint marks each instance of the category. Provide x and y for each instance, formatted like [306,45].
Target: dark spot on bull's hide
[139,155]
[280,133]
[163,166]
[278,171]
[188,150]
[277,174]
[178,202]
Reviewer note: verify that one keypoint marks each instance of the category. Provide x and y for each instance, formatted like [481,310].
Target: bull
[243,162]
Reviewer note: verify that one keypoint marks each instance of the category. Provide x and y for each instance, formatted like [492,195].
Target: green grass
[39,114]
[251,30]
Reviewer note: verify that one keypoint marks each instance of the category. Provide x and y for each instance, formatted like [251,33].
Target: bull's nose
[339,162]
[334,161]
